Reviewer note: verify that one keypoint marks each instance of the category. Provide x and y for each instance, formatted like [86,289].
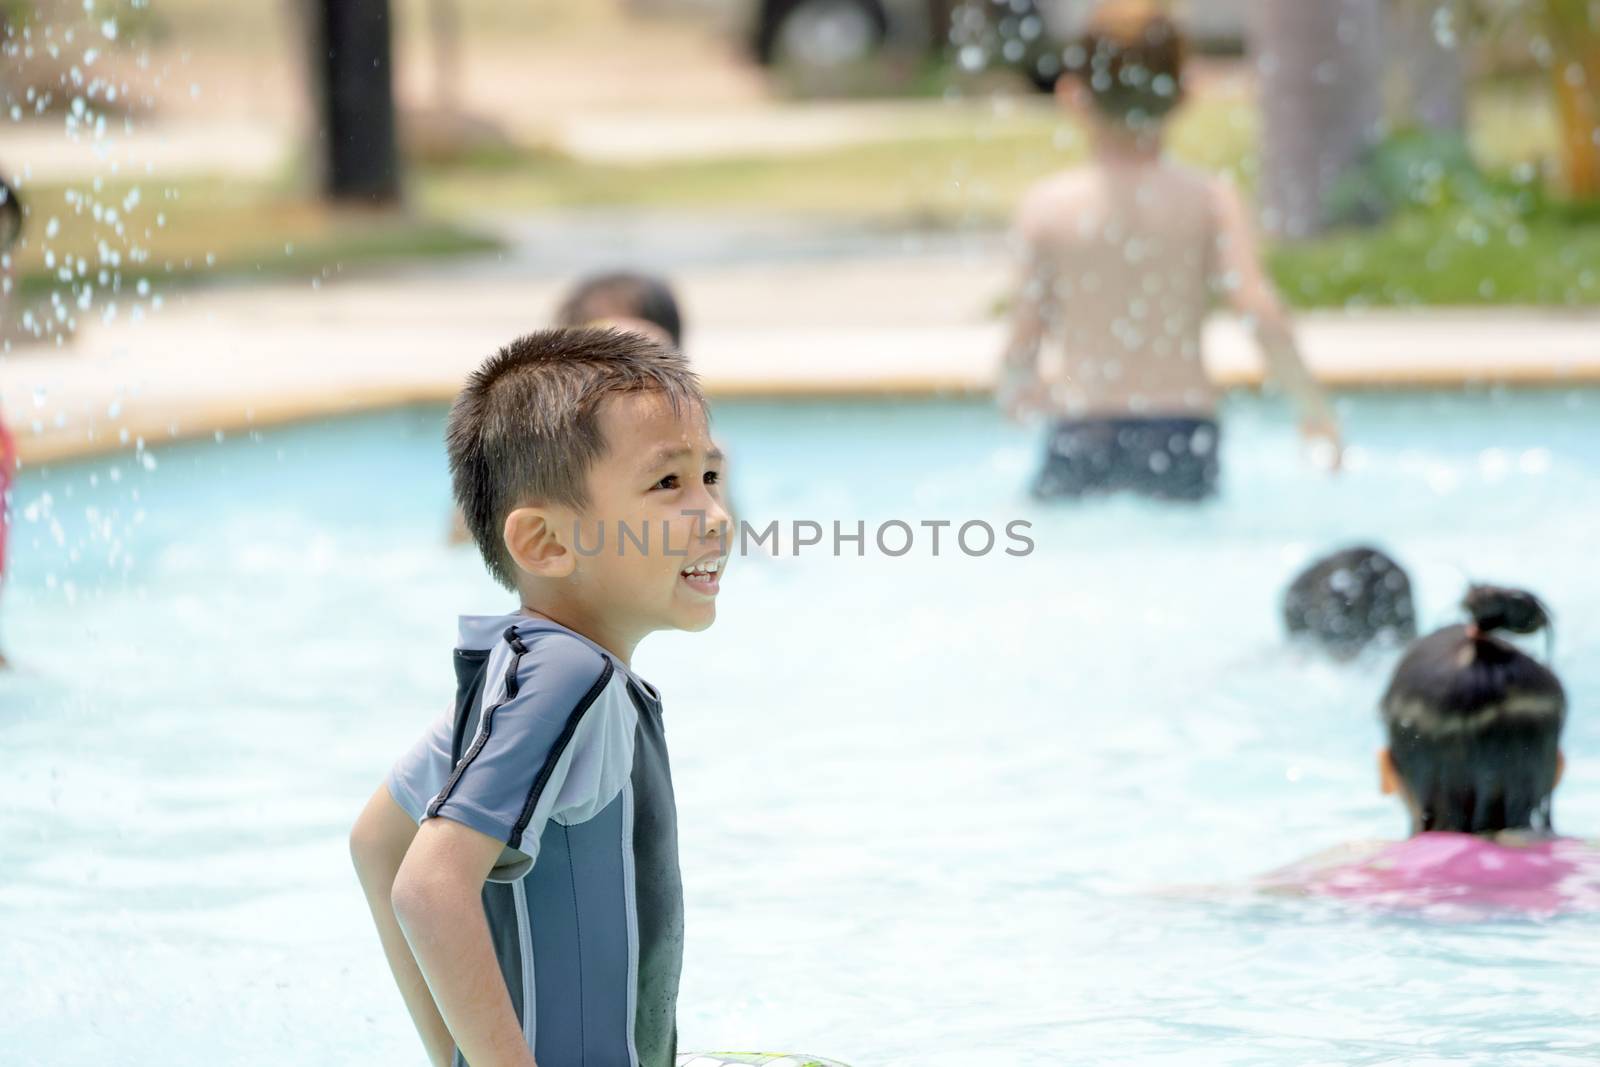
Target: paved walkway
[919,323]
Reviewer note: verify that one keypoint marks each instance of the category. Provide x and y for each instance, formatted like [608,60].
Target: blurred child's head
[1349,600]
[565,439]
[1128,64]
[1474,723]
[627,301]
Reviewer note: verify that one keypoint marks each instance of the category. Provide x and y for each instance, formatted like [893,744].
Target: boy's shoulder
[532,660]
[539,730]
[540,666]
[1046,195]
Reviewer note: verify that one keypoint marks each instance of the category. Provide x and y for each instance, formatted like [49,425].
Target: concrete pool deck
[227,359]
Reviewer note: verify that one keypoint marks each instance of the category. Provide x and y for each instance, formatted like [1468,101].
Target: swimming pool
[934,811]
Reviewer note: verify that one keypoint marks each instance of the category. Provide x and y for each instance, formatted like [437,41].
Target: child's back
[1121,260]
[1123,255]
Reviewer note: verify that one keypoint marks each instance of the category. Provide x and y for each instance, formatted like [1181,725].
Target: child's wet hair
[525,428]
[1475,723]
[623,294]
[1349,600]
[1130,57]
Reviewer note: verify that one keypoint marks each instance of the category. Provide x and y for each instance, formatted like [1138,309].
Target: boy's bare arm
[438,900]
[378,845]
[1251,293]
[1019,389]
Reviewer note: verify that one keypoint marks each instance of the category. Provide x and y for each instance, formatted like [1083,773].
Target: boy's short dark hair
[1131,57]
[525,427]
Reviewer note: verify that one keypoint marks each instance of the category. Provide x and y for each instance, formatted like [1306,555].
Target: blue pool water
[935,810]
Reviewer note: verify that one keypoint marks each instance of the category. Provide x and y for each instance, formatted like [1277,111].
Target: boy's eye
[669,482]
[713,477]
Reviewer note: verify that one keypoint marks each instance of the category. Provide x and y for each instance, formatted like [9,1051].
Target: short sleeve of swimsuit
[530,752]
[417,775]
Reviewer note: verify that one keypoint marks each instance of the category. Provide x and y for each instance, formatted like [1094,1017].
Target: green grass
[969,171]
[220,227]
[1478,239]
[1484,240]
[1444,259]
[206,230]
[1453,232]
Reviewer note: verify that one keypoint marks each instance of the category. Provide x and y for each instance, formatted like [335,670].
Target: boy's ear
[534,539]
[1388,777]
[1561,768]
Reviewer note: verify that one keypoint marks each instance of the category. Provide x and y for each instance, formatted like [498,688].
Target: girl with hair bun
[1474,729]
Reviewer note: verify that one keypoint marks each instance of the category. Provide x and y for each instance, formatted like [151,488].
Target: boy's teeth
[710,567]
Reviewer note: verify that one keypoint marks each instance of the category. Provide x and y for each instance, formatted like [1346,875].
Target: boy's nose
[718,520]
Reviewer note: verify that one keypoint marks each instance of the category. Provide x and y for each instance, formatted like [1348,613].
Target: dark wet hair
[526,427]
[1475,723]
[1351,599]
[1130,57]
[623,294]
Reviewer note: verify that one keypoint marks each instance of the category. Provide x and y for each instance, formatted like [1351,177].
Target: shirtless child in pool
[1121,260]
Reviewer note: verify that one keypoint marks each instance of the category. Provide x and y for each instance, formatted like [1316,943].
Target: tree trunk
[1425,52]
[444,20]
[1320,77]
[939,15]
[1573,28]
[355,112]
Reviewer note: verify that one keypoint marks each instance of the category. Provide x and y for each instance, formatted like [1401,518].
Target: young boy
[521,860]
[622,300]
[1121,258]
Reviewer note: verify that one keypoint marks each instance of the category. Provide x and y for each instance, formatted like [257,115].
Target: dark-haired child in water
[1351,600]
[623,300]
[1121,261]
[1474,730]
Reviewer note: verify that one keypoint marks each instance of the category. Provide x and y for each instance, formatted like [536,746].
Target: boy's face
[659,484]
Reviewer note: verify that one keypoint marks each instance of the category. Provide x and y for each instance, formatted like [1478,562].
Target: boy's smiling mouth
[703,576]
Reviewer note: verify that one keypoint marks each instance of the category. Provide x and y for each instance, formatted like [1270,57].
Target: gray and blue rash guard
[554,748]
